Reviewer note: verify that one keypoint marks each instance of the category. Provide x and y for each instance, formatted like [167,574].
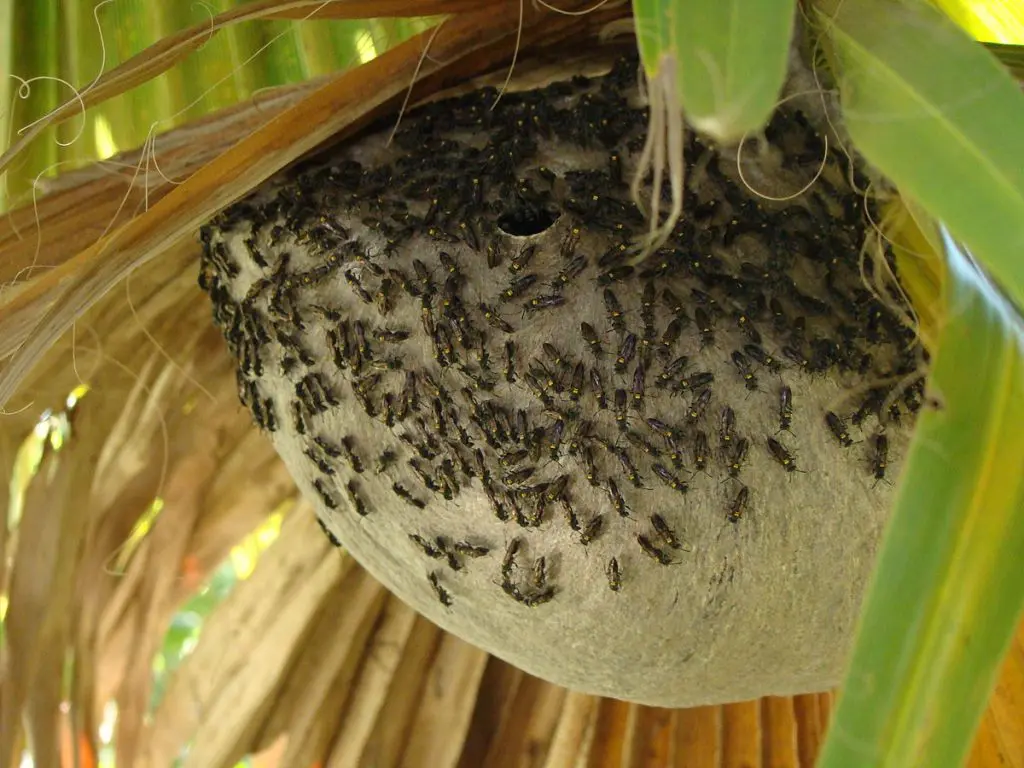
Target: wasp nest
[662,481]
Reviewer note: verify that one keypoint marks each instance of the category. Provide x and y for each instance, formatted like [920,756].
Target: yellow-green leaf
[948,588]
[729,58]
[939,115]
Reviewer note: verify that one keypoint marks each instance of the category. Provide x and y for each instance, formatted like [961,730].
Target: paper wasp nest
[663,481]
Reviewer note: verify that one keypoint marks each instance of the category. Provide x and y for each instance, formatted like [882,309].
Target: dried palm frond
[309,649]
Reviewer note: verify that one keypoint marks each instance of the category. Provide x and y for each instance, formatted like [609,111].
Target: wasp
[637,389]
[592,530]
[518,286]
[298,417]
[324,494]
[570,515]
[629,468]
[330,536]
[494,254]
[572,238]
[647,300]
[669,479]
[468,231]
[589,466]
[618,502]
[521,426]
[347,448]
[443,596]
[699,405]
[880,457]
[356,498]
[614,574]
[320,462]
[517,476]
[626,353]
[757,353]
[614,310]
[671,370]
[572,270]
[522,259]
[838,428]
[662,428]
[424,476]
[696,381]
[493,319]
[639,442]
[328,447]
[537,598]
[555,443]
[470,550]
[700,451]
[738,505]
[576,382]
[508,561]
[652,551]
[385,336]
[781,455]
[509,370]
[540,303]
[593,341]
[598,386]
[514,457]
[554,355]
[674,304]
[403,493]
[743,368]
[386,459]
[357,287]
[704,326]
[747,328]
[615,275]
[669,338]
[727,426]
[665,532]
[796,356]
[785,408]
[427,547]
[621,401]
[539,576]
[510,589]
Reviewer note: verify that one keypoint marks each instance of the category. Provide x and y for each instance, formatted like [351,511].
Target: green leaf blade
[939,115]
[729,58]
[948,588]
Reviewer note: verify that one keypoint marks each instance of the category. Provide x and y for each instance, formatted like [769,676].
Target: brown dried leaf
[165,547]
[741,734]
[174,48]
[233,717]
[578,715]
[355,608]
[530,724]
[36,618]
[379,9]
[436,735]
[812,731]
[780,729]
[383,746]
[377,674]
[611,728]
[213,695]
[498,688]
[651,730]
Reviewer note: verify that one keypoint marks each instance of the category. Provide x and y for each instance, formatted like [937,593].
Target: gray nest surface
[661,481]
